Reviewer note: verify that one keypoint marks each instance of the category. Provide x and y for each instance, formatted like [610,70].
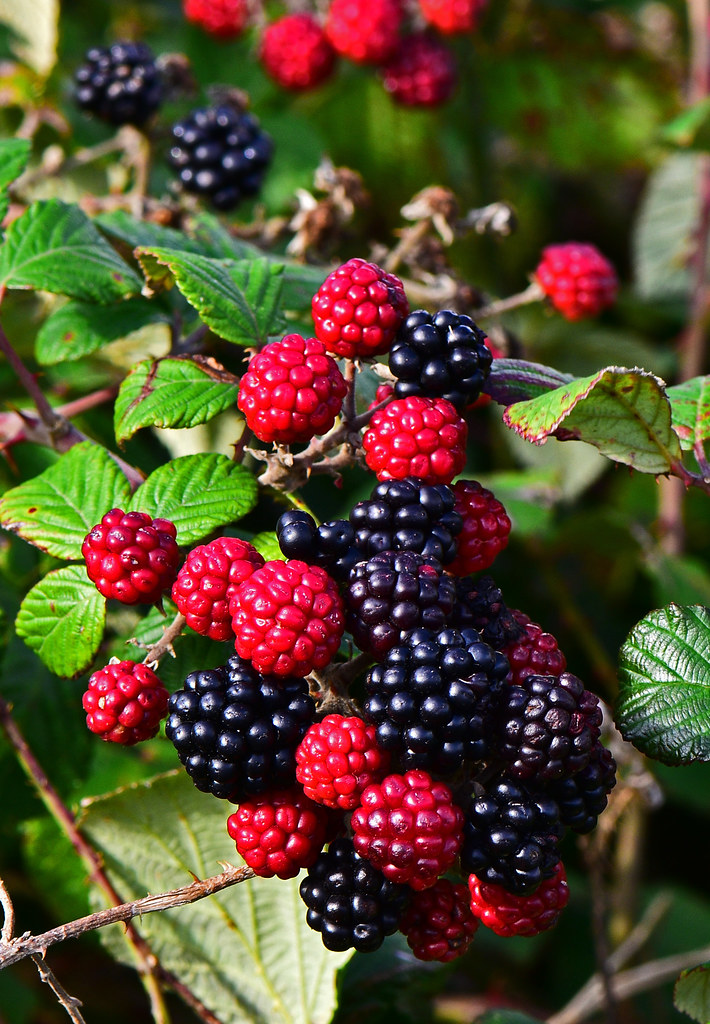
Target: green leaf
[14,154]
[237,299]
[691,994]
[79,328]
[267,545]
[691,127]
[515,380]
[36,24]
[62,619]
[54,247]
[624,413]
[209,232]
[246,952]
[119,224]
[198,493]
[663,706]
[690,410]
[179,391]
[505,1017]
[55,510]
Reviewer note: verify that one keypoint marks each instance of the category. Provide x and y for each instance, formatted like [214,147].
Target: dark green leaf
[663,706]
[55,510]
[173,392]
[515,380]
[692,993]
[215,240]
[79,328]
[198,493]
[690,409]
[119,224]
[237,299]
[55,247]
[14,154]
[624,413]
[62,618]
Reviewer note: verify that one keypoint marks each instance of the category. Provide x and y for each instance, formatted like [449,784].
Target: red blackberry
[358,309]
[392,593]
[479,605]
[407,515]
[349,901]
[438,922]
[416,436]
[292,390]
[510,836]
[236,732]
[485,530]
[431,699]
[509,915]
[577,279]
[452,16]
[582,798]
[125,703]
[224,19]
[532,652]
[296,52]
[288,618]
[131,557]
[279,832]
[409,827]
[221,154]
[547,727]
[364,31]
[330,545]
[442,355]
[210,575]
[337,759]
[119,83]
[421,72]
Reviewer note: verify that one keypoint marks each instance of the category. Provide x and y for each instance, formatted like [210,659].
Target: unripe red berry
[452,16]
[509,915]
[364,31]
[125,702]
[337,759]
[278,833]
[224,19]
[578,280]
[421,73]
[485,531]
[296,52]
[416,436]
[438,922]
[533,652]
[131,557]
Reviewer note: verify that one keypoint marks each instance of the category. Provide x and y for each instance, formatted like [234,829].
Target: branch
[70,1003]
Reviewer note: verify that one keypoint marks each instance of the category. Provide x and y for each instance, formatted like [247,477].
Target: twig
[8,923]
[54,167]
[165,644]
[54,423]
[533,293]
[70,1003]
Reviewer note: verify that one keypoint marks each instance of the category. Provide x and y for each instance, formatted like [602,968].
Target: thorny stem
[594,856]
[8,923]
[165,644]
[70,1003]
[54,423]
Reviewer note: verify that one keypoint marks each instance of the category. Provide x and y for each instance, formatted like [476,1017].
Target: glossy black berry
[330,545]
[432,698]
[582,798]
[349,901]
[119,83]
[511,836]
[440,355]
[236,731]
[220,153]
[480,605]
[408,515]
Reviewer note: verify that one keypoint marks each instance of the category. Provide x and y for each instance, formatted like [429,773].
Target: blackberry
[236,732]
[582,798]
[392,593]
[440,355]
[119,83]
[349,901]
[547,727]
[480,605]
[220,153]
[510,837]
[330,545]
[432,696]
[408,515]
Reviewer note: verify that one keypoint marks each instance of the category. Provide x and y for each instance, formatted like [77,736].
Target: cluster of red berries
[300,50]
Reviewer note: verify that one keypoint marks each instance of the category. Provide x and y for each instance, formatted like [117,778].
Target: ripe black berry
[236,732]
[480,605]
[120,83]
[220,153]
[330,545]
[443,355]
[582,798]
[349,901]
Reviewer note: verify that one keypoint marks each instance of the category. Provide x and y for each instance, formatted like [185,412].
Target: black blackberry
[511,836]
[440,355]
[547,727]
[119,83]
[220,153]
[408,515]
[392,593]
[582,798]
[330,545]
[480,605]
[432,697]
[236,732]
[349,901]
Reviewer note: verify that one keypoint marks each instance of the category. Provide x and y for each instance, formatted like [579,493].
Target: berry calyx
[296,52]
[279,832]
[421,73]
[485,528]
[131,557]
[416,436]
[337,759]
[438,922]
[409,827]
[224,19]
[577,279]
[288,618]
[364,31]
[358,309]
[119,83]
[125,703]
[508,915]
